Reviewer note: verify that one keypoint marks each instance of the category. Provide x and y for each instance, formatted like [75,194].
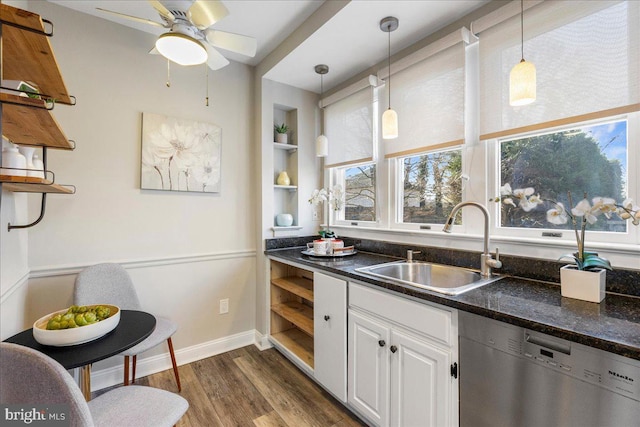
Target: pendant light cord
[522,29]
[322,108]
[389,59]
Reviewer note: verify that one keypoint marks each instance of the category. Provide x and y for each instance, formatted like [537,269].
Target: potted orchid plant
[584,213]
[335,197]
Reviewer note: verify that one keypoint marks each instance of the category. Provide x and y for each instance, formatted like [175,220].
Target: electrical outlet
[224,306]
[315,216]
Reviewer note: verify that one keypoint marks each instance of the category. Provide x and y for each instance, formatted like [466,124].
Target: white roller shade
[587,56]
[349,126]
[429,99]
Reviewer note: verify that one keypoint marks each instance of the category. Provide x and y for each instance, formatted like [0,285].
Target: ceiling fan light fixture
[181,49]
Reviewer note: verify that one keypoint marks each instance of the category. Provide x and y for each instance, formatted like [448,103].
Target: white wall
[185,251]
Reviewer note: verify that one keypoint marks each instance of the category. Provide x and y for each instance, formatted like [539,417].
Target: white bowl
[73,336]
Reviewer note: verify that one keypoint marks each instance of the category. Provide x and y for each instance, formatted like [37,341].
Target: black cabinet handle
[381,343]
[326,317]
[393,349]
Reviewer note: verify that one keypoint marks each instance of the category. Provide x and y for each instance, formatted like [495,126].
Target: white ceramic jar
[284,220]
[28,152]
[11,158]
[39,166]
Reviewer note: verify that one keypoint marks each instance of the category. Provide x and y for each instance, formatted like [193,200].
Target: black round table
[134,326]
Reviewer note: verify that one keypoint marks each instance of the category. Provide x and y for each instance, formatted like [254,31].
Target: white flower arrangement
[581,215]
[335,196]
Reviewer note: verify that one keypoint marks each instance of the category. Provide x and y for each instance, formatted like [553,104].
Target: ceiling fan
[190,39]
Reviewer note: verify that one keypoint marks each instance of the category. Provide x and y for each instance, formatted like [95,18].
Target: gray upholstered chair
[111,284]
[28,377]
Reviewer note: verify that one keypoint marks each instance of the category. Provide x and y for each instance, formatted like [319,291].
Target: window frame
[337,177]
[397,196]
[594,239]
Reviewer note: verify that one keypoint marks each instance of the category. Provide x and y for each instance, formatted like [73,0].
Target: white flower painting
[180,154]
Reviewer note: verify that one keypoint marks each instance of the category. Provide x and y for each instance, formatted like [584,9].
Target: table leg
[85,381]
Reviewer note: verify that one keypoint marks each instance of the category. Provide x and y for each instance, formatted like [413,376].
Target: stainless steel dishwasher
[511,376]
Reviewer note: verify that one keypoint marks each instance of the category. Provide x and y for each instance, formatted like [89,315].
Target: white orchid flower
[505,190]
[604,205]
[318,196]
[528,204]
[522,193]
[557,215]
[583,208]
[508,201]
[630,210]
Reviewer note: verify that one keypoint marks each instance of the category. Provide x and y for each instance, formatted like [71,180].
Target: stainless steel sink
[434,277]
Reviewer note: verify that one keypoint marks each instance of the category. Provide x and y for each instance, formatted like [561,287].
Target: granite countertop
[613,325]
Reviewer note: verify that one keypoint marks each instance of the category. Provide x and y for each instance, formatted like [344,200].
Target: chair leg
[133,377]
[175,365]
[126,370]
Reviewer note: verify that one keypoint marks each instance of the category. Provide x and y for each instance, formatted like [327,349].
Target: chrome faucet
[410,255]
[486,262]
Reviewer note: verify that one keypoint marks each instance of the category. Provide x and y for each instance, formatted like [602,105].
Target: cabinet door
[369,367]
[330,333]
[420,383]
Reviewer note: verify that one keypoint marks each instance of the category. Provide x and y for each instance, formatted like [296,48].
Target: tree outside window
[360,193]
[589,160]
[432,186]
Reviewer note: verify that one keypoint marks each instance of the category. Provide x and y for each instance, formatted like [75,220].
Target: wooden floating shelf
[30,184]
[298,343]
[297,313]
[24,124]
[299,286]
[28,56]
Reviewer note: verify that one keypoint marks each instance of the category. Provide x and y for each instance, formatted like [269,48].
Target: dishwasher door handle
[547,343]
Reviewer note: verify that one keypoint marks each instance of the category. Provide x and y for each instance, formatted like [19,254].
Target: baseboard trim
[262,341]
[66,270]
[111,376]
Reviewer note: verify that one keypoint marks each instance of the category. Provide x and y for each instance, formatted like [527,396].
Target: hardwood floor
[249,387]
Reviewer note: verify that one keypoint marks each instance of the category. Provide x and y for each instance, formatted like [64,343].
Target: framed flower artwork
[180,154]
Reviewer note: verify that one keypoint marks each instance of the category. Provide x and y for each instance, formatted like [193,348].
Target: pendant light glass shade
[322,146]
[389,117]
[181,49]
[522,79]
[389,124]
[522,84]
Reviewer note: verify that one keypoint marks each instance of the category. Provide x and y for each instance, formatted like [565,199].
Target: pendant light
[322,142]
[522,79]
[390,117]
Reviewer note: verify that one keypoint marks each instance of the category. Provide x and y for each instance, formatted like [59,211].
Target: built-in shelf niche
[285,158]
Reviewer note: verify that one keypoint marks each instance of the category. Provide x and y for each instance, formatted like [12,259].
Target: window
[359,183]
[589,160]
[431,186]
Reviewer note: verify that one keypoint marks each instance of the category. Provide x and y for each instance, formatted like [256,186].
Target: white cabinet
[369,367]
[330,336]
[400,358]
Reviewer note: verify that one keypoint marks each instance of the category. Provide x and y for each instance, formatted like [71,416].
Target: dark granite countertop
[613,325]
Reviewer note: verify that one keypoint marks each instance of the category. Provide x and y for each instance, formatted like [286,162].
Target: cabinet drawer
[422,318]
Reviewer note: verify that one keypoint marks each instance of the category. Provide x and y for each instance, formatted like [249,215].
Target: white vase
[281,138]
[583,285]
[39,165]
[11,158]
[284,220]
[27,152]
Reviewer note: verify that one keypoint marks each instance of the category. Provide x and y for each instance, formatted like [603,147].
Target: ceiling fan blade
[244,45]
[204,14]
[159,7]
[133,18]
[215,60]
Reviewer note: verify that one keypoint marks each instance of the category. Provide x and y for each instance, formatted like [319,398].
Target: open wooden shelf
[301,315]
[298,343]
[35,186]
[300,286]
[27,125]
[28,56]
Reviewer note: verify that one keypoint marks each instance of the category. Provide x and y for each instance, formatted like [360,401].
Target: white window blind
[587,57]
[349,126]
[429,99]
